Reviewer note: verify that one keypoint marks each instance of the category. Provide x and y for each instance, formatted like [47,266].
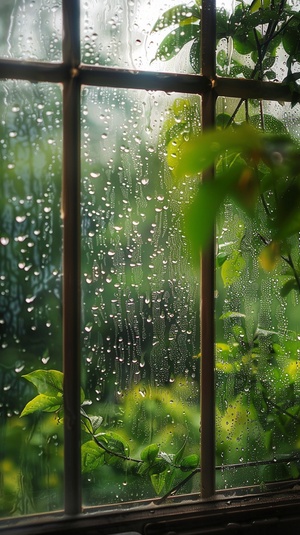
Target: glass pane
[258,316]
[140,298]
[258,40]
[31,29]
[137,35]
[30,293]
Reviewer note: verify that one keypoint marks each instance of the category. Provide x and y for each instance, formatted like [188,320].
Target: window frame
[73,75]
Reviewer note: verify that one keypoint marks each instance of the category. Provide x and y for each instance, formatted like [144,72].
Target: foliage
[259,172]
[254,34]
[103,447]
[257,178]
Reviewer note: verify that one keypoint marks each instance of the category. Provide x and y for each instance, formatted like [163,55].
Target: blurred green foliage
[175,429]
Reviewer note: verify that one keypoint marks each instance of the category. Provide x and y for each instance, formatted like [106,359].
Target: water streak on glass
[121,33]
[140,318]
[258,329]
[30,292]
[31,30]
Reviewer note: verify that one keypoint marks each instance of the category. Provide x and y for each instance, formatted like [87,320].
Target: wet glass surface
[30,292]
[140,292]
[258,330]
[141,35]
[31,30]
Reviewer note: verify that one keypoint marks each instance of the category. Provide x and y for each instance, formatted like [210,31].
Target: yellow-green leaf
[232,269]
[269,256]
[91,456]
[47,382]
[42,403]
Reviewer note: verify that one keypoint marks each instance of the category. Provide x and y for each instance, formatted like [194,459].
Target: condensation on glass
[258,333]
[31,30]
[30,292]
[121,34]
[140,305]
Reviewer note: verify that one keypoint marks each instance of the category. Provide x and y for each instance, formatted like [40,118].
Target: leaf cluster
[257,31]
[104,447]
[257,171]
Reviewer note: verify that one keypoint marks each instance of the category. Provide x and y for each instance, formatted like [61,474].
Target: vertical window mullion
[71,257]
[207,387]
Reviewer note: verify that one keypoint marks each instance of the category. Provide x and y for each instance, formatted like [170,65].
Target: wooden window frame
[211,510]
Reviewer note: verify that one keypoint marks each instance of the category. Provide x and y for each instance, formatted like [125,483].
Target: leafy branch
[108,447]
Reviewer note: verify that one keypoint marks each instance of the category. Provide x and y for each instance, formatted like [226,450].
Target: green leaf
[91,424]
[175,41]
[238,68]
[190,462]
[225,367]
[223,119]
[232,314]
[177,15]
[169,479]
[200,216]
[158,481]
[223,27]
[270,75]
[268,62]
[47,382]
[169,458]
[149,454]
[179,454]
[232,269]
[175,131]
[96,422]
[220,259]
[114,443]
[91,456]
[160,465]
[256,5]
[290,40]
[288,287]
[144,468]
[240,336]
[271,124]
[245,44]
[263,16]
[198,153]
[195,55]
[42,403]
[287,220]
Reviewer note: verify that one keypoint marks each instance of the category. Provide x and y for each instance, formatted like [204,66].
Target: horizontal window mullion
[242,88]
[109,77]
[33,71]
[154,81]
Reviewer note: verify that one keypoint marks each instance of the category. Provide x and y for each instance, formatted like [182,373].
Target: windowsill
[219,515]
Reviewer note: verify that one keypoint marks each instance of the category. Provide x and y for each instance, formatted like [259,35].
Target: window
[100,367]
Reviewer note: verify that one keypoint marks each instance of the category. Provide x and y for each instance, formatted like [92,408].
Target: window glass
[258,40]
[31,30]
[257,315]
[30,292]
[140,337]
[140,34]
